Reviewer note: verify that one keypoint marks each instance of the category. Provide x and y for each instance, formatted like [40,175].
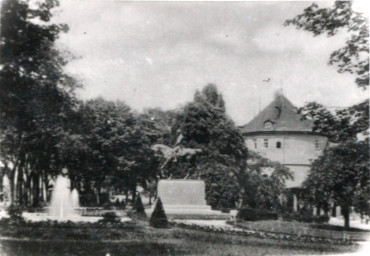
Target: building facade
[280,134]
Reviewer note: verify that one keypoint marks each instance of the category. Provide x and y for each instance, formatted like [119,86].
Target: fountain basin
[42,216]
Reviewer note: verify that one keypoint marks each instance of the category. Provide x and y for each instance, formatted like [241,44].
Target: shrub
[15,214]
[305,217]
[159,218]
[15,211]
[110,217]
[138,207]
[321,219]
[249,214]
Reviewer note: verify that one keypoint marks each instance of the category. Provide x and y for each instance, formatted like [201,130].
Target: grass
[293,227]
[141,239]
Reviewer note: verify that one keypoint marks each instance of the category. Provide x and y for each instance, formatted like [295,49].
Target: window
[266,143]
[278,144]
[255,143]
[317,145]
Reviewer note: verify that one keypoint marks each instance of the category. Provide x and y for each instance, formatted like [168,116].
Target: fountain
[64,204]
[75,199]
[61,200]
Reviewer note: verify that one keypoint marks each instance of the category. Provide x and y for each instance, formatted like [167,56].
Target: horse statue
[173,154]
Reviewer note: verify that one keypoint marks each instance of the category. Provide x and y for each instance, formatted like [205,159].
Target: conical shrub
[159,218]
[138,207]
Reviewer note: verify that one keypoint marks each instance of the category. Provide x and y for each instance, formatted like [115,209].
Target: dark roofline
[282,133]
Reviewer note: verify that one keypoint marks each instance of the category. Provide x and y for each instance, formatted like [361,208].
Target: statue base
[185,199]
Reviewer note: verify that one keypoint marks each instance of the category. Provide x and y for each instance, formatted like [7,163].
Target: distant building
[281,134]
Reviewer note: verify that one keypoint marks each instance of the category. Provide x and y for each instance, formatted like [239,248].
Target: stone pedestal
[182,192]
[185,199]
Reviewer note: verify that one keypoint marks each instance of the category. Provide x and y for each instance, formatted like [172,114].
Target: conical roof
[279,115]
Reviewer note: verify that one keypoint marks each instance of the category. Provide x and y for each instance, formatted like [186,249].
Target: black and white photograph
[184,128]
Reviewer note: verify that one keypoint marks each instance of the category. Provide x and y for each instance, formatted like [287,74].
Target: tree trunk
[133,189]
[27,189]
[11,181]
[36,190]
[345,211]
[97,195]
[20,184]
[46,184]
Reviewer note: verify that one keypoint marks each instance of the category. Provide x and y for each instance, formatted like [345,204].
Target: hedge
[249,214]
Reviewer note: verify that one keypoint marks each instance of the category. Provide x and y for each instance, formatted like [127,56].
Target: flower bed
[235,230]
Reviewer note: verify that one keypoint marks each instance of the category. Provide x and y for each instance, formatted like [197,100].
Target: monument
[183,198]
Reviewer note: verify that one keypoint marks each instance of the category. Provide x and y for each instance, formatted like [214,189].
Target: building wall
[296,151]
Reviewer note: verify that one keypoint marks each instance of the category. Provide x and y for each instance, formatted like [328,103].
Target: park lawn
[140,239]
[310,229]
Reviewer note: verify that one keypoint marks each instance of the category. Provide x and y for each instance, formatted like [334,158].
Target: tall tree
[36,95]
[108,149]
[341,176]
[353,58]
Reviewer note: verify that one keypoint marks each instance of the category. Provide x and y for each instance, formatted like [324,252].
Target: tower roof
[279,115]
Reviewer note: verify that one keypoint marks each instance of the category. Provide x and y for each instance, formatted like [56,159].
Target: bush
[159,218]
[321,219]
[15,214]
[305,217]
[110,217]
[138,207]
[249,214]
[15,211]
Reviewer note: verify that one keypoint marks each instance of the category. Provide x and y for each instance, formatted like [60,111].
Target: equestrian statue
[178,152]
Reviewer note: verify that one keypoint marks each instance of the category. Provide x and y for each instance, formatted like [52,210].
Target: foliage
[305,216]
[15,212]
[342,125]
[205,125]
[341,176]
[354,56]
[266,181]
[36,96]
[107,148]
[110,218]
[159,218]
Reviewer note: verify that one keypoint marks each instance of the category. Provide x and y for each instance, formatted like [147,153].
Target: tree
[266,180]
[36,95]
[353,58]
[205,125]
[108,147]
[341,176]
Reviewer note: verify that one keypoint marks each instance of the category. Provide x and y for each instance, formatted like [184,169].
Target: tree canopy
[342,124]
[353,58]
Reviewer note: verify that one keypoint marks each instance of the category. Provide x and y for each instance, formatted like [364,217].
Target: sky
[157,54]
